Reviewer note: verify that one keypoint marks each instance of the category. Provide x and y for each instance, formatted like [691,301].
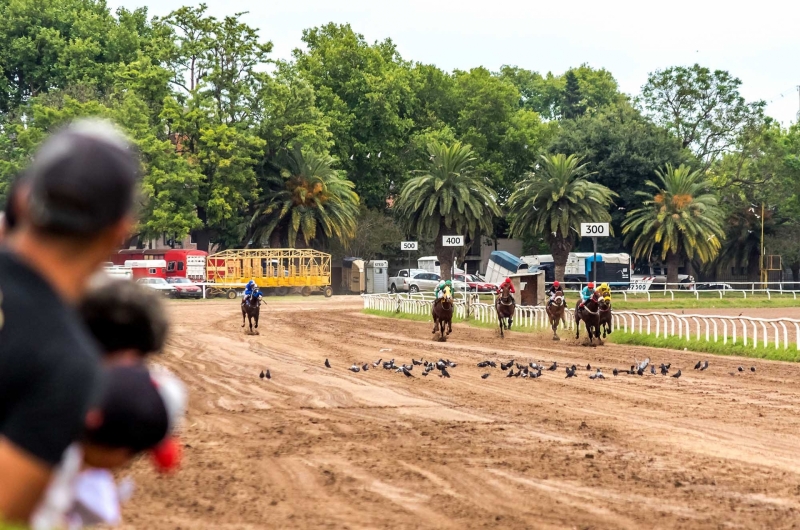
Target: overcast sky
[758,42]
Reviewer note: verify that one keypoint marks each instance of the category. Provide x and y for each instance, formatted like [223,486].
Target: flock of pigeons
[530,371]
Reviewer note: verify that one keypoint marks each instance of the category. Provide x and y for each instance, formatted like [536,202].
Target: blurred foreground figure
[66,214]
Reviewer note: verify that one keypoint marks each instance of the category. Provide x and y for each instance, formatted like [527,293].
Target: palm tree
[681,216]
[447,198]
[316,202]
[554,200]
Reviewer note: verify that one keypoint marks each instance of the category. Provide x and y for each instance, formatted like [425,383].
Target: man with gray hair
[66,214]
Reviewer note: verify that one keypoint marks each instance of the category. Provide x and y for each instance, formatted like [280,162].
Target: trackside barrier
[748,331]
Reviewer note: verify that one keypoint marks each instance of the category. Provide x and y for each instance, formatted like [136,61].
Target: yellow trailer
[275,271]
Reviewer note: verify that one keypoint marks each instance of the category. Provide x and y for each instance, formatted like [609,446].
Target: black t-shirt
[49,364]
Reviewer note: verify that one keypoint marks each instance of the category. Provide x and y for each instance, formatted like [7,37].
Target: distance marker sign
[408,245]
[452,241]
[594,230]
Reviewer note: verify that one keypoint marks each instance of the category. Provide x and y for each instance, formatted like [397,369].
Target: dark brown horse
[505,307]
[442,313]
[556,311]
[605,315]
[251,308]
[590,314]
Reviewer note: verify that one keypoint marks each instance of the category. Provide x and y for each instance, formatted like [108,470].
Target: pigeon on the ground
[653,369]
[518,374]
[677,374]
[484,376]
[570,373]
[615,372]
[492,364]
[425,373]
[365,367]
[261,375]
[327,363]
[644,364]
[416,362]
[510,373]
[597,375]
[504,367]
[664,370]
[554,367]
[451,364]
[268,375]
[705,365]
[355,368]
[698,365]
[668,365]
[407,372]
[741,369]
[640,371]
[588,366]
[752,368]
[377,363]
[445,373]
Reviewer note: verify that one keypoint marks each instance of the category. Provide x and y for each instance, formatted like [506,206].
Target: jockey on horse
[555,288]
[586,293]
[506,283]
[251,290]
[439,291]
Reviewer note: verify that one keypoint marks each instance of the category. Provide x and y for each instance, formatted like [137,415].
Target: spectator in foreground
[138,411]
[70,210]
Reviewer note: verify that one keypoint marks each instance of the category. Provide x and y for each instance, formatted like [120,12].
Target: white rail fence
[748,331]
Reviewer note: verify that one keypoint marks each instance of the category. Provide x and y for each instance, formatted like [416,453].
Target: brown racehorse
[505,307]
[442,313]
[605,315]
[590,314]
[556,311]
[251,309]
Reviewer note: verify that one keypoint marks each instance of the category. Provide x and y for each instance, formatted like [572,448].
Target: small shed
[353,276]
[529,287]
[377,272]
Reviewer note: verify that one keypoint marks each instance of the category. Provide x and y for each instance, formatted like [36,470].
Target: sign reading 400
[452,241]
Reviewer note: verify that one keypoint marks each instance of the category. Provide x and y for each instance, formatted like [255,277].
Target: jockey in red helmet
[553,290]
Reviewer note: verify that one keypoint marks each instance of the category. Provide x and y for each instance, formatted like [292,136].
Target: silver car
[427,281]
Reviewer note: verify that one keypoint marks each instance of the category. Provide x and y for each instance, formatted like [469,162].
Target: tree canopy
[224,130]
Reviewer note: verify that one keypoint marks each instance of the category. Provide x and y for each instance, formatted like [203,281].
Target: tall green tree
[365,92]
[624,149]
[217,76]
[573,105]
[53,44]
[553,200]
[317,203]
[703,109]
[447,198]
[680,217]
[546,94]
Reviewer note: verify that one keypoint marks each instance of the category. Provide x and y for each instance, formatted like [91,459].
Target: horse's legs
[449,326]
[435,325]
[244,313]
[256,317]
[500,321]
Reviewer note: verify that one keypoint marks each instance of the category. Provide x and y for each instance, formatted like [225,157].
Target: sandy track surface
[327,448]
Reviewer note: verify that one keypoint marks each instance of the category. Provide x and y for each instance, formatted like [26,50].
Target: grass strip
[790,354]
[717,348]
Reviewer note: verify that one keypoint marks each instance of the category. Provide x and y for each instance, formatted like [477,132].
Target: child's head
[126,319]
[138,411]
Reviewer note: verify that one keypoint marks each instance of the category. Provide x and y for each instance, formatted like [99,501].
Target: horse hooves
[555,337]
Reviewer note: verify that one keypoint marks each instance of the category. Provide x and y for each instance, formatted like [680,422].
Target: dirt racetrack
[328,448]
